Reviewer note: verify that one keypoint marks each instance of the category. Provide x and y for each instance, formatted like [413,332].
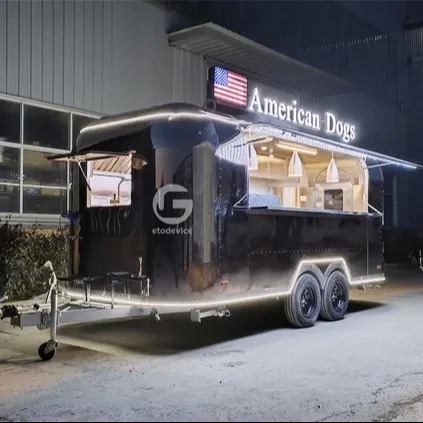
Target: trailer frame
[49,315]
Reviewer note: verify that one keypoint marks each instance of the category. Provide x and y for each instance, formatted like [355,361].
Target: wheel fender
[308,268]
[332,268]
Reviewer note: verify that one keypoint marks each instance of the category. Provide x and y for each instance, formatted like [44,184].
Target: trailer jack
[154,317]
[197,315]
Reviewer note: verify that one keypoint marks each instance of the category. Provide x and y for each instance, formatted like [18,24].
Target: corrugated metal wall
[414,8]
[414,60]
[102,56]
[323,34]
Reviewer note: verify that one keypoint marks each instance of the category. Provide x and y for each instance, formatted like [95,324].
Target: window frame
[25,147]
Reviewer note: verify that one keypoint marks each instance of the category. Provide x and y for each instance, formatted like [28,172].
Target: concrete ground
[367,367]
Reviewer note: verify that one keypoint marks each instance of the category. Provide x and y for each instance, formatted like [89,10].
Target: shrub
[23,252]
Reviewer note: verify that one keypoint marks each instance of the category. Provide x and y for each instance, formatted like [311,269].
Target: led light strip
[270,130]
[254,128]
[208,304]
[164,115]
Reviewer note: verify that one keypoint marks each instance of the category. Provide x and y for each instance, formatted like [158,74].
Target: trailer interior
[283,174]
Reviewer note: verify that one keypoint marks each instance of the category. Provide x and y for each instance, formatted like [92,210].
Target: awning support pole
[377,211]
[378,165]
[85,176]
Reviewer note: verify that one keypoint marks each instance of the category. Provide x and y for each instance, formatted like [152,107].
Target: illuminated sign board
[296,115]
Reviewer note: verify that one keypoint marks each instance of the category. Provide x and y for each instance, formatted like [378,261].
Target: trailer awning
[88,156]
[240,53]
[323,143]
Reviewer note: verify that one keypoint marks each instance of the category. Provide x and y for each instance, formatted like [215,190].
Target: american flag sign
[230,87]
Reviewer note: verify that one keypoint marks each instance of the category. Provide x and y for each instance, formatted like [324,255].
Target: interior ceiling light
[299,149]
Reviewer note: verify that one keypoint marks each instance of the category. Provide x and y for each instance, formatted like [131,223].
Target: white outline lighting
[208,304]
[164,115]
[258,128]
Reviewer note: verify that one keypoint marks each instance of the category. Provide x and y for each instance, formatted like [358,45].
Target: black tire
[302,307]
[336,296]
[42,352]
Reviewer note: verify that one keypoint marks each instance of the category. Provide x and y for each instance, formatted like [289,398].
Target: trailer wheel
[335,297]
[303,306]
[46,351]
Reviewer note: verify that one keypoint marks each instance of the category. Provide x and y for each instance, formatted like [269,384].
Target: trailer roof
[111,127]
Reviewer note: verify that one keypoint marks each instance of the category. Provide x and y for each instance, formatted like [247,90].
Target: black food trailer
[181,209]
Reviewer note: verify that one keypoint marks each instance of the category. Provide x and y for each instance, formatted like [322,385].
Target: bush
[23,252]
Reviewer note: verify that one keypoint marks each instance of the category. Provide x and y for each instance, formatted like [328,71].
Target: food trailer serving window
[289,175]
[291,171]
[108,176]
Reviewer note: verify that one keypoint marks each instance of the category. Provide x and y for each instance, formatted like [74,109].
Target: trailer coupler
[197,315]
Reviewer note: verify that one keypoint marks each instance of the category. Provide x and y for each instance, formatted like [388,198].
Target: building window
[9,179]
[46,128]
[10,121]
[44,184]
[29,182]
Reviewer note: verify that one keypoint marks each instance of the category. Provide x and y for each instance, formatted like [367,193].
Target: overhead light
[264,148]
[266,158]
[252,158]
[332,174]
[261,140]
[304,150]
[295,168]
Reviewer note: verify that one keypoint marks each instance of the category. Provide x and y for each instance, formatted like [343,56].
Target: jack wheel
[302,307]
[46,351]
[335,297]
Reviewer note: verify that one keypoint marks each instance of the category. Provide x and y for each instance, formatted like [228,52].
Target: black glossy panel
[221,247]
